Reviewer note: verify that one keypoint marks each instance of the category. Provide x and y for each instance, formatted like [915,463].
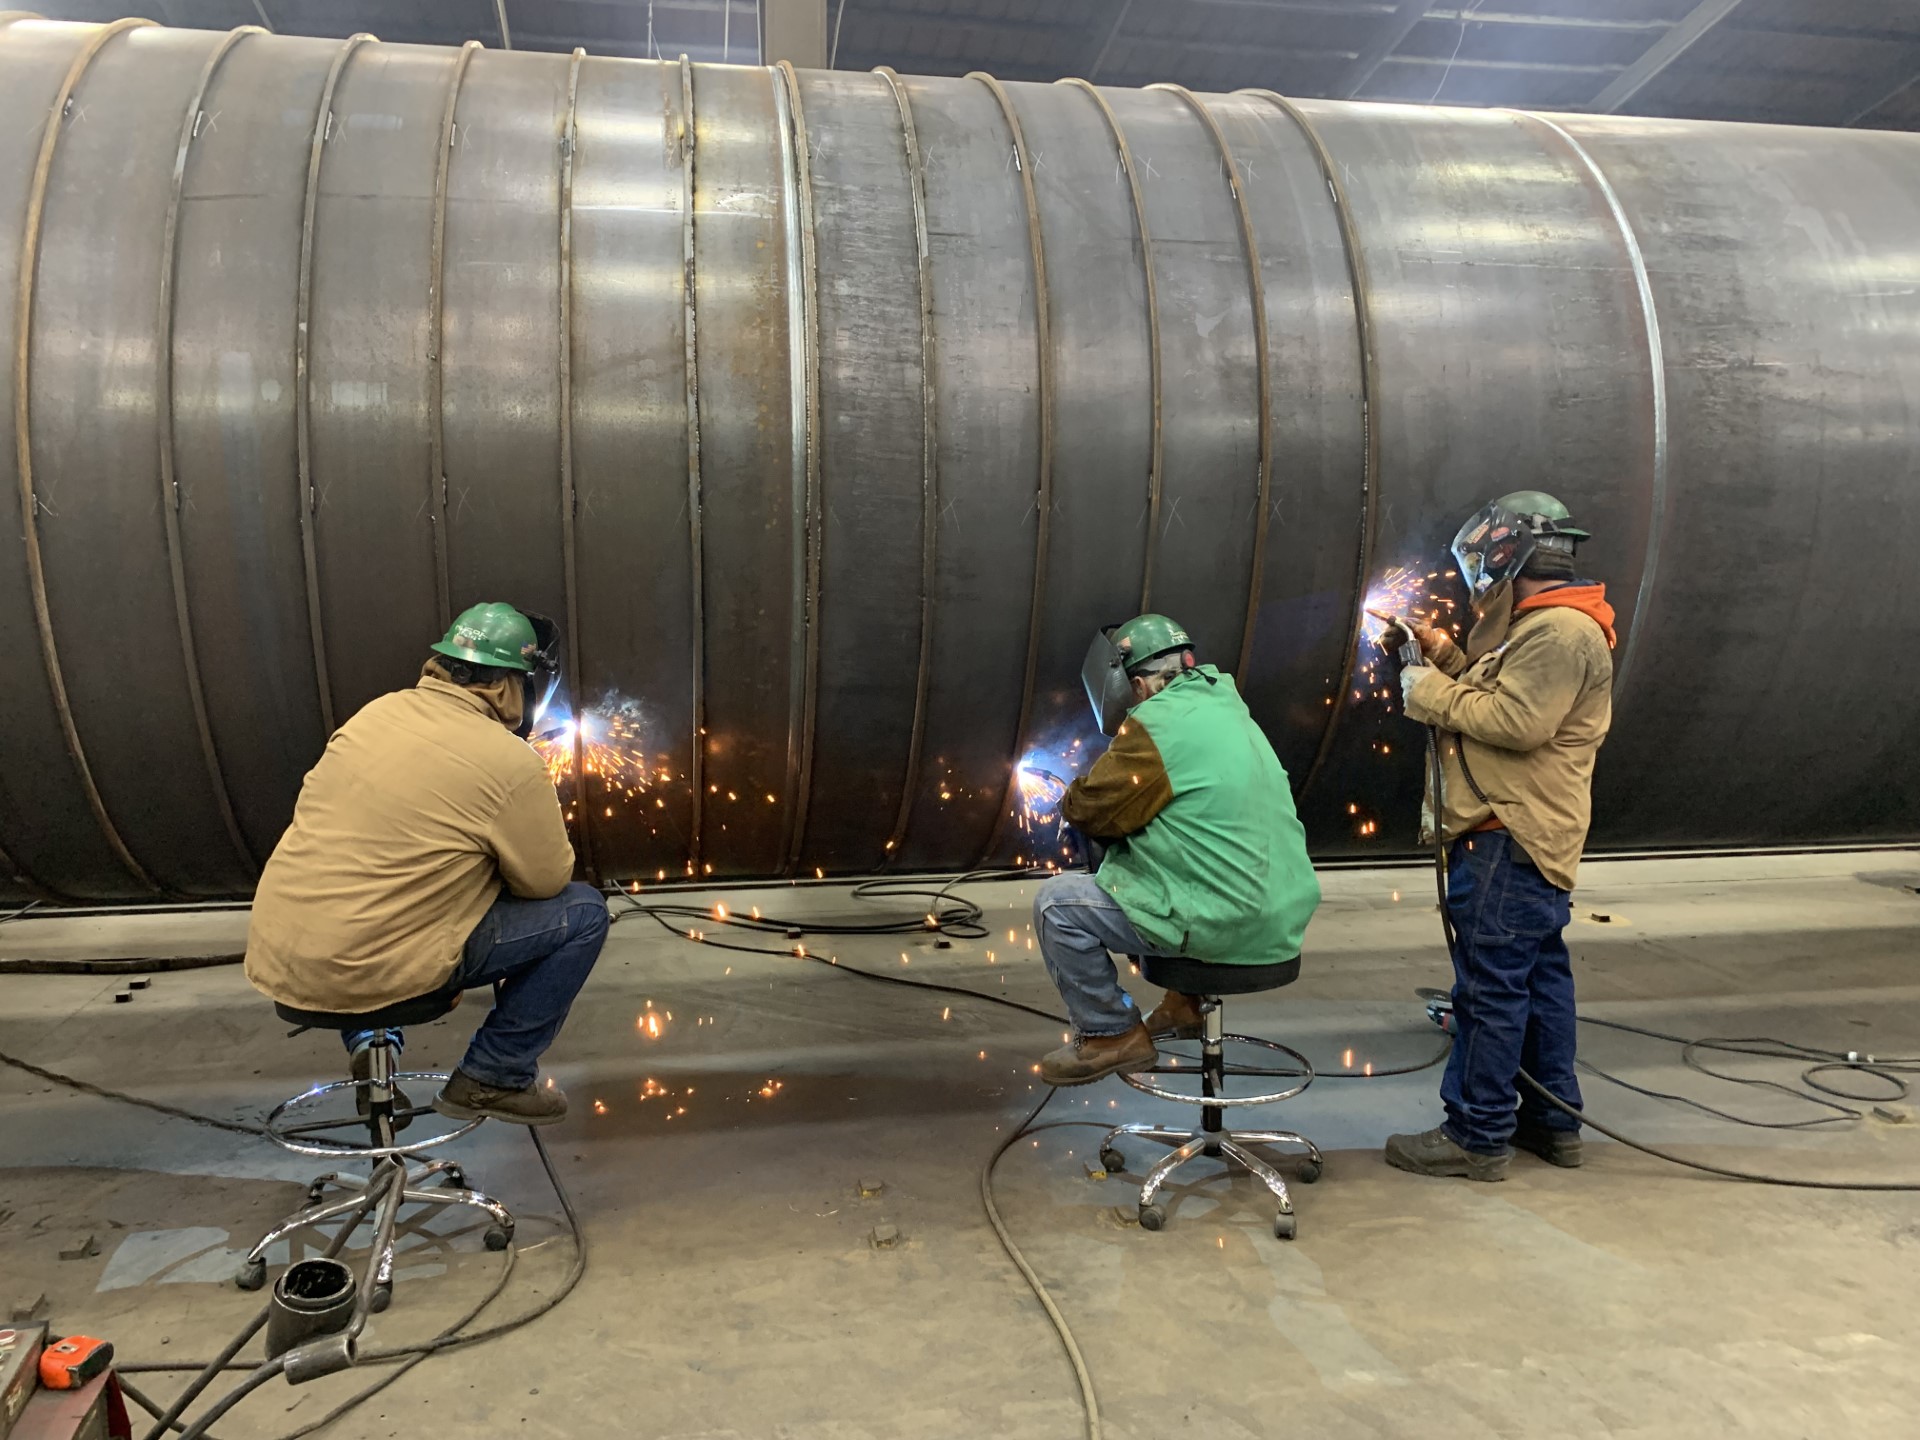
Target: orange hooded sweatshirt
[1590,600]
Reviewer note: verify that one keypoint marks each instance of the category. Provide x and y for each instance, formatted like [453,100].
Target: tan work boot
[1179,1016]
[465,1098]
[1094,1057]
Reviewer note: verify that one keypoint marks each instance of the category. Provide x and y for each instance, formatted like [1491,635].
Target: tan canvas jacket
[422,805]
[1530,716]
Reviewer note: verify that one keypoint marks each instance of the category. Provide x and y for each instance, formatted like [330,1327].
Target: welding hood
[1104,673]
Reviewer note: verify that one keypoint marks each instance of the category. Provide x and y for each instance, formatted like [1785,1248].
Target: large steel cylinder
[830,412]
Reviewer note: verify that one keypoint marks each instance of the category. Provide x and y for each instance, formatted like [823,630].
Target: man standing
[428,855]
[1204,855]
[1520,716]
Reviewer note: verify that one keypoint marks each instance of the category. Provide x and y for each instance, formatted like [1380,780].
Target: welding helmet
[1496,543]
[1117,654]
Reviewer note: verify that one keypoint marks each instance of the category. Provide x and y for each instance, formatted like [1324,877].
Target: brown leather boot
[465,1098]
[1177,1015]
[1094,1057]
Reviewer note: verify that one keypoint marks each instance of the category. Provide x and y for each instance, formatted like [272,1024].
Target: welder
[428,855]
[1518,715]
[1203,854]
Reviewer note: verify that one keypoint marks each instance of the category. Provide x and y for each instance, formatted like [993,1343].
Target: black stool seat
[1203,977]
[417,1011]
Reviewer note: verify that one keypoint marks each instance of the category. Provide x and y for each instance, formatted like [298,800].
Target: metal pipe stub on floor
[834,410]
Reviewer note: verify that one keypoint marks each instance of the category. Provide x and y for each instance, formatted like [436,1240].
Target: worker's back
[1221,871]
[423,803]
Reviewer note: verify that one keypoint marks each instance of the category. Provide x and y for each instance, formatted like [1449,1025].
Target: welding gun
[1408,652]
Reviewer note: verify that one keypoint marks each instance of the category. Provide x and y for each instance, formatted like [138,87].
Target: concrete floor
[735,1291]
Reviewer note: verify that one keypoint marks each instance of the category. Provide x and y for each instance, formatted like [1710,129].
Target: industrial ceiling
[1807,62]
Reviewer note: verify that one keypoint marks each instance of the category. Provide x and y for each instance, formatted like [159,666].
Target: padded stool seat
[1202,977]
[420,1010]
[1207,983]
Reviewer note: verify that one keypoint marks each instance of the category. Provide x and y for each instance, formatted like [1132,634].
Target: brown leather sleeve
[1124,789]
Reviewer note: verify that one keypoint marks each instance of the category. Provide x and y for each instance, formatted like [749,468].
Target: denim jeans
[1512,995]
[1078,923]
[536,954]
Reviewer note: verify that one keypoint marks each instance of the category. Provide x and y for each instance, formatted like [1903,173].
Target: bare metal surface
[834,415]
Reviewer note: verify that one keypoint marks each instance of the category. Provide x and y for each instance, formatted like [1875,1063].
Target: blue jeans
[1512,995]
[1078,924]
[536,954]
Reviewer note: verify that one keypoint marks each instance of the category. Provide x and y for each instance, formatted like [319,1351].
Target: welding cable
[1089,1402]
[30,906]
[1888,1069]
[269,1371]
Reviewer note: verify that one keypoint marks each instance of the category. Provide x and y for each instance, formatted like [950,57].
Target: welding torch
[1408,652]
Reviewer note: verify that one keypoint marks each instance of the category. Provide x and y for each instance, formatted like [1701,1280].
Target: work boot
[1094,1057]
[1557,1147]
[1177,1016]
[363,1101]
[1434,1152]
[465,1098]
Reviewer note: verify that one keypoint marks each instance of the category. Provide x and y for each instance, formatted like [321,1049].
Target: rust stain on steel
[1257,294]
[696,539]
[23,443]
[569,567]
[1370,430]
[302,379]
[929,461]
[163,422]
[1043,342]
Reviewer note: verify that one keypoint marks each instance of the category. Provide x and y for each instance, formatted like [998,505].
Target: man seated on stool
[1205,857]
[428,855]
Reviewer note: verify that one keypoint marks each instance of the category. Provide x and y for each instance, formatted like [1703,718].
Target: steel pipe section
[831,411]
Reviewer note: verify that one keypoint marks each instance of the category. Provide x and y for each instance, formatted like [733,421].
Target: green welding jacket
[1206,854]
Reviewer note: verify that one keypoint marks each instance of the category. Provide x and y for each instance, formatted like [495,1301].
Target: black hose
[233,1397]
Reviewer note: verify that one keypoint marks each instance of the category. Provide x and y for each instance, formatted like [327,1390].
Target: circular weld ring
[29,265]
[804,711]
[1370,429]
[307,501]
[1262,359]
[1156,453]
[1179,1098]
[300,1145]
[1043,344]
[929,462]
[170,494]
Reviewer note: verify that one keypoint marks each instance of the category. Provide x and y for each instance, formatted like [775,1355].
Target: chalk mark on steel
[1155,453]
[302,377]
[1657,376]
[929,463]
[1043,344]
[801,726]
[170,499]
[1370,429]
[1257,294]
[695,538]
[436,347]
[569,562]
[23,443]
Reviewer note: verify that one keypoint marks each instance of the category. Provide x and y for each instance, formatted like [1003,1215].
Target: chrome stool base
[393,1180]
[1212,1138]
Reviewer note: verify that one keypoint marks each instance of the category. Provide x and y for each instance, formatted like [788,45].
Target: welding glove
[1432,639]
[1410,679]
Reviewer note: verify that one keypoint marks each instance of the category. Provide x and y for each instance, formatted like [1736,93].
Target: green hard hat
[1544,514]
[1145,636]
[491,634]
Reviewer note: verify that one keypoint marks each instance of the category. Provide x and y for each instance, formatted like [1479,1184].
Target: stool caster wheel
[251,1275]
[498,1237]
[1285,1226]
[316,1192]
[1153,1217]
[1112,1160]
[382,1298]
[456,1178]
[1309,1172]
